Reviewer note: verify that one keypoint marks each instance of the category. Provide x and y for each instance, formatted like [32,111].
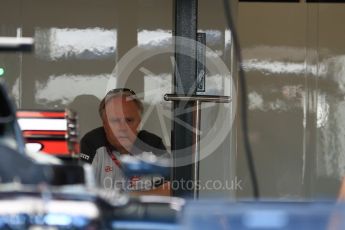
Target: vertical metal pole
[201,74]
[197,99]
[197,126]
[185,84]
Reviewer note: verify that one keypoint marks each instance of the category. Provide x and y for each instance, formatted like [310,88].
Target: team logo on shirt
[84,156]
[108,168]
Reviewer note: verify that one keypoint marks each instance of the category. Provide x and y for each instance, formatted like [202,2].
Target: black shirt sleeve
[86,153]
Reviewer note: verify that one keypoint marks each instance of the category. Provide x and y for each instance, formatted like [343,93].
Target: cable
[243,92]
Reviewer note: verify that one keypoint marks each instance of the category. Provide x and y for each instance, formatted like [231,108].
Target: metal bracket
[201,63]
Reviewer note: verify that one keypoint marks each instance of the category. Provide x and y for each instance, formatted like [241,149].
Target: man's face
[121,120]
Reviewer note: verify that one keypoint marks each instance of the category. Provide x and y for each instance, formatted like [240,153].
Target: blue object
[263,215]
[132,166]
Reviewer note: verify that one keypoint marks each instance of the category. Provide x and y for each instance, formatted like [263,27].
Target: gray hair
[124,92]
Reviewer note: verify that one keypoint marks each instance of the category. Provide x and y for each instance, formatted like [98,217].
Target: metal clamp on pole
[198,99]
[201,98]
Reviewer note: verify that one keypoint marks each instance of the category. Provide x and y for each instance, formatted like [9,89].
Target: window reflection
[322,110]
[90,43]
[227,38]
[156,86]
[54,90]
[154,38]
